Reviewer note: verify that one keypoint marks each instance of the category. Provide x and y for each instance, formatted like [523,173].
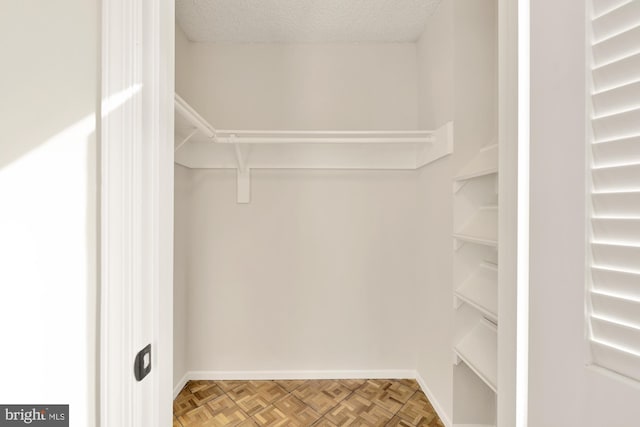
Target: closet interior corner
[336,196]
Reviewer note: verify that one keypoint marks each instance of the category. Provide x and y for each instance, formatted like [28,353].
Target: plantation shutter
[614,313]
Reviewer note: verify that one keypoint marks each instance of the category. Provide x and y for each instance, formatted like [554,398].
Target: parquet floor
[318,403]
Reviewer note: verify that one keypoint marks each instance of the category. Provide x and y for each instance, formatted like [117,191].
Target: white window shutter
[614,316]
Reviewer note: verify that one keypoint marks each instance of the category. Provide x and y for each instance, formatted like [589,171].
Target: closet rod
[324,132]
[316,140]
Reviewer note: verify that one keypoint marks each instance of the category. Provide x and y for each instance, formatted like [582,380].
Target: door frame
[123,27]
[137,54]
[513,232]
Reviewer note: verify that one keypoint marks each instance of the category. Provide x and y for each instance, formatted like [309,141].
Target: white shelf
[482,228]
[485,163]
[480,291]
[200,145]
[479,351]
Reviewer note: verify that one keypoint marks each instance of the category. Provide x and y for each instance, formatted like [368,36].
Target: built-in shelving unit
[475,289]
[200,145]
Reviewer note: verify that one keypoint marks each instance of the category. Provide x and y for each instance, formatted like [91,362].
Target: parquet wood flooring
[303,403]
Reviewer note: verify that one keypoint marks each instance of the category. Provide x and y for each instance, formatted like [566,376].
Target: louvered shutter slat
[623,124]
[616,360]
[616,204]
[617,309]
[616,74]
[615,282]
[617,21]
[612,153]
[625,178]
[616,230]
[617,48]
[600,7]
[616,256]
[623,98]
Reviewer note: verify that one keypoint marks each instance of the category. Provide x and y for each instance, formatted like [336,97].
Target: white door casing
[136,210]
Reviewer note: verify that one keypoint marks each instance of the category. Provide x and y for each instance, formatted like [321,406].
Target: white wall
[310,86]
[436,94]
[562,390]
[181,230]
[317,273]
[183,65]
[48,204]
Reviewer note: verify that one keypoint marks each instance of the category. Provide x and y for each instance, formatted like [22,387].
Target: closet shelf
[480,291]
[479,351]
[482,228]
[200,145]
[485,163]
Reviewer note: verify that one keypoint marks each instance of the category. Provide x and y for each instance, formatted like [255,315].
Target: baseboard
[434,401]
[301,375]
[178,388]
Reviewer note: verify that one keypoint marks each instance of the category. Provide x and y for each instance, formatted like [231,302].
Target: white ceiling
[303,21]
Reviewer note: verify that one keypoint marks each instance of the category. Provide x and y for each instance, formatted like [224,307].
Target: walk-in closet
[336,208]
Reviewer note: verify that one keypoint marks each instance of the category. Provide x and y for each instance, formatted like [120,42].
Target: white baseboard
[301,375]
[178,388]
[317,375]
[434,402]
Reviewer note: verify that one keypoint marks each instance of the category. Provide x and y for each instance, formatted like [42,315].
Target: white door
[136,213]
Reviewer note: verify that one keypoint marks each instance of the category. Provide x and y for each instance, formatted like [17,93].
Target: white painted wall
[48,210]
[562,390]
[182,236]
[183,65]
[309,86]
[317,273]
[436,95]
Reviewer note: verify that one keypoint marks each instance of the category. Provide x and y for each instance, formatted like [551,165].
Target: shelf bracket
[457,186]
[457,244]
[457,302]
[184,141]
[456,358]
[243,189]
[243,174]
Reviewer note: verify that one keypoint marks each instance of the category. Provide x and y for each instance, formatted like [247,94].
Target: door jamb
[137,54]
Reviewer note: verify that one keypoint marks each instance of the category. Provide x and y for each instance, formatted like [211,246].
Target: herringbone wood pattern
[317,403]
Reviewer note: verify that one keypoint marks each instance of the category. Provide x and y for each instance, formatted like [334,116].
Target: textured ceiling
[303,21]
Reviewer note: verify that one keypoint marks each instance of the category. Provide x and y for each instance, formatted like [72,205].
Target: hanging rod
[326,132]
[238,136]
[236,139]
